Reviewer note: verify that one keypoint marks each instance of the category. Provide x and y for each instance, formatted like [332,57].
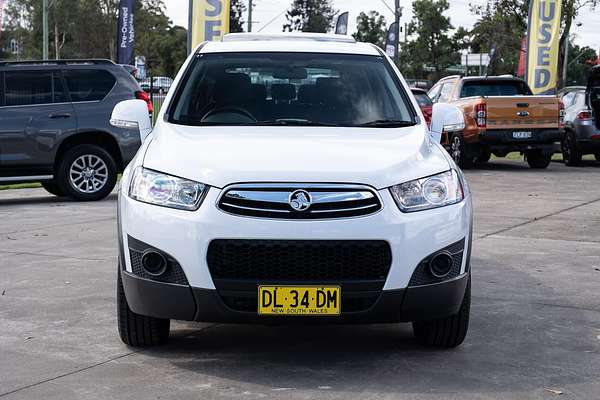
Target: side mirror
[445,117]
[132,114]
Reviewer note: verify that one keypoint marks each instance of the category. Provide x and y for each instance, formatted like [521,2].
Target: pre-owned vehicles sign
[542,52]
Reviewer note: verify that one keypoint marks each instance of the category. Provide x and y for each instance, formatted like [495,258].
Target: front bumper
[180,302]
[185,237]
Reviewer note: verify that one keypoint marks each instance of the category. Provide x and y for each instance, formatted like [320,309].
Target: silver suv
[54,125]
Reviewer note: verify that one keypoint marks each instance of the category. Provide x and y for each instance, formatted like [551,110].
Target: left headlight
[165,190]
[432,192]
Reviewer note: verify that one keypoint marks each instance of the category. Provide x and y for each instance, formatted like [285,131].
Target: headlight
[431,192]
[165,190]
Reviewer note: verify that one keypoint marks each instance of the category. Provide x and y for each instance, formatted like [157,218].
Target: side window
[28,88]
[434,93]
[446,92]
[88,84]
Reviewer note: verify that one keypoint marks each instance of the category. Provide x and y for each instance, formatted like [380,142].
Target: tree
[579,67]
[236,19]
[310,16]
[570,10]
[502,26]
[432,45]
[371,28]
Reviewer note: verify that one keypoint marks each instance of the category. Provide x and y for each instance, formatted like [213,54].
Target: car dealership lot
[535,321]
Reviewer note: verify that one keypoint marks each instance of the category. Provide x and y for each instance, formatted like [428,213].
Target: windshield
[290,89]
[491,88]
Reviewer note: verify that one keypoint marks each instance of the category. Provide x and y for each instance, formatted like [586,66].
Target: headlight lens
[427,193]
[165,190]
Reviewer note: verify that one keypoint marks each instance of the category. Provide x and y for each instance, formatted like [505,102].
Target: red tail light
[146,97]
[561,114]
[481,115]
[584,115]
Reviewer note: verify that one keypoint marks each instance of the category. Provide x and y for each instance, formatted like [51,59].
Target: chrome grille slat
[328,201]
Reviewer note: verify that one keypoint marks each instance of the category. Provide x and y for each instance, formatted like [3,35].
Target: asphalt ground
[535,318]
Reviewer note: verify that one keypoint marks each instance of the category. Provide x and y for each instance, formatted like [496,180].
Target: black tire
[52,188]
[460,152]
[538,159]
[570,152]
[597,155]
[446,332]
[484,156]
[138,330]
[107,167]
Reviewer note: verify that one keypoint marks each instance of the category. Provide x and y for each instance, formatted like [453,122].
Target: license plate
[522,135]
[299,300]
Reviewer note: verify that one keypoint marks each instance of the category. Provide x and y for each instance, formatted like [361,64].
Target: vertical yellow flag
[209,20]
[543,45]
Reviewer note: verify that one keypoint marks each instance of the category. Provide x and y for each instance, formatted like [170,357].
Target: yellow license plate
[299,300]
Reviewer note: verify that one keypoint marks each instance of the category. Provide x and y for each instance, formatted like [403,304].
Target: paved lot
[535,317]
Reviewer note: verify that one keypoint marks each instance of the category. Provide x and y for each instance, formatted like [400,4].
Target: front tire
[138,330]
[538,159]
[446,332]
[571,154]
[87,173]
[459,152]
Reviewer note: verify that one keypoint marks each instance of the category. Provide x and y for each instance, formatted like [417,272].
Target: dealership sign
[126,32]
[209,21]
[542,50]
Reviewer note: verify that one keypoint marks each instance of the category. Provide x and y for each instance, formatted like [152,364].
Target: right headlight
[431,192]
[165,190]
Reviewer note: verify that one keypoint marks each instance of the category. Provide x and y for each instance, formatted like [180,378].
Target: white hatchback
[292,177]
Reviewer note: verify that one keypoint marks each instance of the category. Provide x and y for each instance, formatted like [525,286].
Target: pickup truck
[501,116]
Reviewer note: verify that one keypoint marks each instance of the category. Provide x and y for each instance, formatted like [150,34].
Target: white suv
[292,177]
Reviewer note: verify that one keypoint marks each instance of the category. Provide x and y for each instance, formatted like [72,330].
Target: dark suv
[54,125]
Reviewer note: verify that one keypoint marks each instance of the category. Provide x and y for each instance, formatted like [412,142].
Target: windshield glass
[491,88]
[290,89]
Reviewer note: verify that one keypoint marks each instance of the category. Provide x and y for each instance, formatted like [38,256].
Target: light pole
[45,29]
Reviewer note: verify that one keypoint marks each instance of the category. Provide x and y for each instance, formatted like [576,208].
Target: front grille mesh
[330,201]
[299,260]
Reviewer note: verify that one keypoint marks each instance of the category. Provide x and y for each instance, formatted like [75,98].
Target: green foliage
[578,70]
[310,16]
[432,47]
[503,26]
[371,28]
[88,29]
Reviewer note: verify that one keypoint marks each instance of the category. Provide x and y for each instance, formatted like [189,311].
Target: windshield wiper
[387,123]
[294,121]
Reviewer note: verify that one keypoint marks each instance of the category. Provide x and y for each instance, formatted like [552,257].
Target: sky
[266,11]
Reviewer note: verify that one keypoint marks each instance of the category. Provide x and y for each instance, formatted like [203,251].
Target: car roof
[289,43]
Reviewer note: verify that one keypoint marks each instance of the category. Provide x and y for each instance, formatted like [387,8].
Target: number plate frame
[522,135]
[284,303]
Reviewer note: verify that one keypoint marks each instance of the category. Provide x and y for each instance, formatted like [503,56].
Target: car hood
[219,156]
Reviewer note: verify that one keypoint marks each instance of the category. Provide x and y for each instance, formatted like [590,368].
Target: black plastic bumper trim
[180,302]
[158,299]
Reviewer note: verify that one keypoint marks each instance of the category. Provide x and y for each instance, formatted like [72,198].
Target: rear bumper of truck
[504,140]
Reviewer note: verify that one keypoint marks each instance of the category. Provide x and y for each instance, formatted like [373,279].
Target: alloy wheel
[88,173]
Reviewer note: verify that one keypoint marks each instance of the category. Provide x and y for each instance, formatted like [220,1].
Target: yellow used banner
[542,50]
[209,20]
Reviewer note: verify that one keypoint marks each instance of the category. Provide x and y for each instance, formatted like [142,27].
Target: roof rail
[93,61]
[450,77]
[296,36]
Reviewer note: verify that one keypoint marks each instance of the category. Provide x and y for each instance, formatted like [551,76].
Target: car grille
[326,201]
[299,260]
